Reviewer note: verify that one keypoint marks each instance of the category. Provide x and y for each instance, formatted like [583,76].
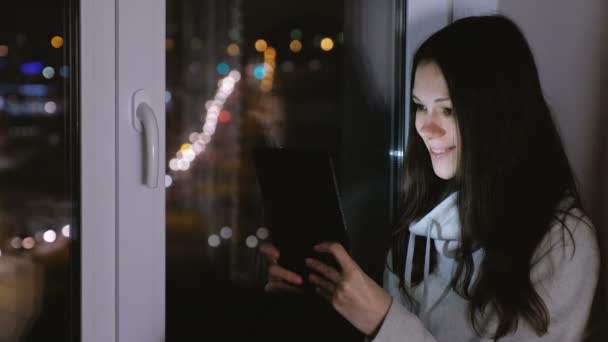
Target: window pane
[38,171]
[244,74]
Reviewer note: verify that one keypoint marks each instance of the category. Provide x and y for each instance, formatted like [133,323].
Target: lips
[438,153]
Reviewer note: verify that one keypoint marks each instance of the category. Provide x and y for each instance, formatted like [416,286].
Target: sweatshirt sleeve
[400,324]
[565,274]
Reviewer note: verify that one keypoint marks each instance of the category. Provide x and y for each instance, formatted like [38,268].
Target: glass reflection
[37,172]
[245,74]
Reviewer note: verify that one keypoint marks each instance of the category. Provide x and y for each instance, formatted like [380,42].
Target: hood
[442,224]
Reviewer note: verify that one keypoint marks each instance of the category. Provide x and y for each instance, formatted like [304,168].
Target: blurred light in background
[226,233]
[57,42]
[33,89]
[169,44]
[29,242]
[64,71]
[31,68]
[49,236]
[214,240]
[233,50]
[3,50]
[168,181]
[396,154]
[50,107]
[262,233]
[259,72]
[173,164]
[48,72]
[261,45]
[65,231]
[295,46]
[296,34]
[16,242]
[270,52]
[183,164]
[224,116]
[251,241]
[168,96]
[222,68]
[327,44]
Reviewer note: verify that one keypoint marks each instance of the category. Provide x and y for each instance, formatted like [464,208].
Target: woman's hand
[350,291]
[279,278]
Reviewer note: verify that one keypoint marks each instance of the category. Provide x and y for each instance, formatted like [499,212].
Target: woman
[492,243]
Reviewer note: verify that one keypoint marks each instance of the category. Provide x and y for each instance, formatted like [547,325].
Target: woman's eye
[420,107]
[447,111]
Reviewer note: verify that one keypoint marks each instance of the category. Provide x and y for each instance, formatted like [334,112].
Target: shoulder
[570,246]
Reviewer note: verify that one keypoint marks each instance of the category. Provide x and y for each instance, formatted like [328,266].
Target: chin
[444,174]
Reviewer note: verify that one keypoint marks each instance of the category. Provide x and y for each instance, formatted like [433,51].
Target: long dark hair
[511,176]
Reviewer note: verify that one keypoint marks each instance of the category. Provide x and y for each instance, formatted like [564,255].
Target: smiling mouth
[437,153]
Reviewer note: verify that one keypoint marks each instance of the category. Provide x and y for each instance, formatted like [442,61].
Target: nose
[429,129]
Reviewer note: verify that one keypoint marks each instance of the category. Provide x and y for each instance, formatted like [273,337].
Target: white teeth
[440,151]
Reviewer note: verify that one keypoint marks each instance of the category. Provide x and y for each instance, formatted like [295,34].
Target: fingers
[280,286]
[327,286]
[270,251]
[280,273]
[327,271]
[336,249]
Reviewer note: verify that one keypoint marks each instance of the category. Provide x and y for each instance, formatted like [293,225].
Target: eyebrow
[436,100]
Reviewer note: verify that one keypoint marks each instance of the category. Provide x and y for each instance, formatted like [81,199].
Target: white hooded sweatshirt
[564,277]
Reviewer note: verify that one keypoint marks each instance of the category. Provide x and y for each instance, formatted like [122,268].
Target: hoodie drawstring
[427,264]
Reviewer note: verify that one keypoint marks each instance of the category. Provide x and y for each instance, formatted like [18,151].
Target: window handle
[144,120]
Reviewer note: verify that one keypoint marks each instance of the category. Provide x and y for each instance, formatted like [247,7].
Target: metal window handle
[145,120]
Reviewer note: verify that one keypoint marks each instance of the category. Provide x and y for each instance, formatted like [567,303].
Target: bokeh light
[48,72]
[296,34]
[29,242]
[222,68]
[32,68]
[251,241]
[224,116]
[3,50]
[65,231]
[327,44]
[226,232]
[295,46]
[64,71]
[50,107]
[169,44]
[213,240]
[233,50]
[16,242]
[262,233]
[49,236]
[259,72]
[261,45]
[57,42]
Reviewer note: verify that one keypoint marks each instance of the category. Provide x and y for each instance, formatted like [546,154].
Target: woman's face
[435,120]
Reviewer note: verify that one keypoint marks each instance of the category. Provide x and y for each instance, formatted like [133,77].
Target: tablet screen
[301,202]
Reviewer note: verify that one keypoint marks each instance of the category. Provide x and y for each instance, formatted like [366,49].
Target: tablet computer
[301,203]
